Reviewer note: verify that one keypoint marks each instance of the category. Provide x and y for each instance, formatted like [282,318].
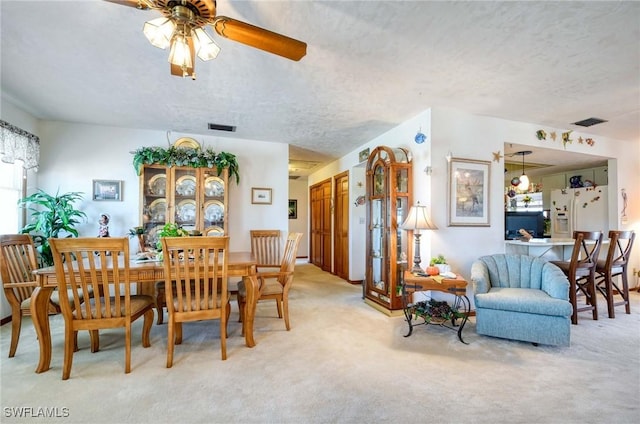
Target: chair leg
[608,287]
[625,291]
[240,307]
[223,336]
[572,299]
[170,342]
[127,348]
[591,288]
[69,337]
[178,332]
[16,324]
[279,307]
[285,306]
[146,328]
[160,306]
[95,340]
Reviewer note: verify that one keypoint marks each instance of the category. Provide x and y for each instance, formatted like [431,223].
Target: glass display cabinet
[196,199]
[389,189]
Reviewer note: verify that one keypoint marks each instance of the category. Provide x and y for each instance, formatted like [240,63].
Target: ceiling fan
[182,29]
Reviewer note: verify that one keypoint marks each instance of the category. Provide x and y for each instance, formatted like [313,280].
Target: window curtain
[18,144]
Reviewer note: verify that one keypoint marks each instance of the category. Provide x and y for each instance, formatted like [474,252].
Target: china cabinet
[194,198]
[389,198]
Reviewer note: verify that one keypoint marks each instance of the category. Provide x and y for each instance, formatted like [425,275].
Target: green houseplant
[195,158]
[52,216]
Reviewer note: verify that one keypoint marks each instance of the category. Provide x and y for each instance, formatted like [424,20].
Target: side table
[457,286]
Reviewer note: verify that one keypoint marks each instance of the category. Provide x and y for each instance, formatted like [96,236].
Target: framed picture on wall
[260,196]
[107,190]
[293,209]
[468,193]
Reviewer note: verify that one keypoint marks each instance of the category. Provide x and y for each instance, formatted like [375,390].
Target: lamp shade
[418,219]
[524,183]
[159,31]
[206,48]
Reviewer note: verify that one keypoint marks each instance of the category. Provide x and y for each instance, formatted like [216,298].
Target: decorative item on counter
[497,156]
[511,193]
[525,235]
[515,181]
[566,138]
[139,233]
[526,200]
[553,135]
[590,141]
[104,225]
[580,140]
[576,181]
[541,134]
[440,262]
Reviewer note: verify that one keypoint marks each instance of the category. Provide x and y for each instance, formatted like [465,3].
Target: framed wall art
[293,209]
[107,190]
[260,196]
[468,193]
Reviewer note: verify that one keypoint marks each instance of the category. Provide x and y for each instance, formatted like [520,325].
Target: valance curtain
[18,144]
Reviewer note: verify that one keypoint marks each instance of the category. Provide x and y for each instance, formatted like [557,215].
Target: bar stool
[581,271]
[620,244]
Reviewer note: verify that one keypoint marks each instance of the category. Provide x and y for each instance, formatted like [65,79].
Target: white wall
[72,155]
[476,137]
[299,191]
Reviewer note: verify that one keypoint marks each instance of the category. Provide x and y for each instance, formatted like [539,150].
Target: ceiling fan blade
[132,3]
[260,38]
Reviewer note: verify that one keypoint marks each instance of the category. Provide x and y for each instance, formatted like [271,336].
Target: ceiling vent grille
[589,122]
[220,127]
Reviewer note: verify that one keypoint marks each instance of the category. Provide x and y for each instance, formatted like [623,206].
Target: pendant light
[524,180]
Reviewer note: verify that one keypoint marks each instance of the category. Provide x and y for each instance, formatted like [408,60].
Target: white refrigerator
[579,209]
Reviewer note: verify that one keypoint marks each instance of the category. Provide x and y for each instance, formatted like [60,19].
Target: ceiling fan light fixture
[180,54]
[207,49]
[159,31]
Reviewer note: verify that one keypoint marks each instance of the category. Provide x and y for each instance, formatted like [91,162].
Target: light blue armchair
[521,297]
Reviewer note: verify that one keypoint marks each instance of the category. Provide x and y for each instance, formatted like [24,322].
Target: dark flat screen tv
[532,222]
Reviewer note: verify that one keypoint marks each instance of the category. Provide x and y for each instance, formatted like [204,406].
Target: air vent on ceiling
[294,177]
[589,122]
[219,127]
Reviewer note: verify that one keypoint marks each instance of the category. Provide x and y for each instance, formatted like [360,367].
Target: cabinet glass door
[186,188]
[378,250]
[154,202]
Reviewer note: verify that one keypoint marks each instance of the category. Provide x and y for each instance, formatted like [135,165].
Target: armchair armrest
[480,277]
[554,282]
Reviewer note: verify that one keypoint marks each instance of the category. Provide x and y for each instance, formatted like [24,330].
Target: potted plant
[139,233]
[52,217]
[440,262]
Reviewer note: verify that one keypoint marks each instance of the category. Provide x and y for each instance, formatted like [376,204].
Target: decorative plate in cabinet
[158,209]
[158,185]
[214,187]
[213,211]
[214,231]
[186,211]
[186,185]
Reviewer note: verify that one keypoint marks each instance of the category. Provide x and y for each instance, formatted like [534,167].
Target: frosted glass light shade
[180,54]
[159,31]
[524,183]
[206,48]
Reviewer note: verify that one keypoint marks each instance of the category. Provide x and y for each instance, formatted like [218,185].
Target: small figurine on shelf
[104,225]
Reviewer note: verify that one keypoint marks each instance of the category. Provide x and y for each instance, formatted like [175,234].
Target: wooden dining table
[145,274]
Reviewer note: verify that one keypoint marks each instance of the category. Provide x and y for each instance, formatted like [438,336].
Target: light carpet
[342,362]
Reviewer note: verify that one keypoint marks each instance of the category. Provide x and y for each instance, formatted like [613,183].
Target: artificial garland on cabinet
[195,158]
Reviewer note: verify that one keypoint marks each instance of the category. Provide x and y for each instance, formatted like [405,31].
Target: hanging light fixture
[186,37]
[524,180]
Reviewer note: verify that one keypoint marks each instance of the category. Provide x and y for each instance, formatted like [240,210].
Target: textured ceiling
[370,66]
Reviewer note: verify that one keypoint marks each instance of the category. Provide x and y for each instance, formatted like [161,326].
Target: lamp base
[416,256]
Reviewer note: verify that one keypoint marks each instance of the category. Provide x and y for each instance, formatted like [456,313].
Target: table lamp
[416,221]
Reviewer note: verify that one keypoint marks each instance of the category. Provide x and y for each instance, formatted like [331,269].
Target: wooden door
[320,195]
[341,226]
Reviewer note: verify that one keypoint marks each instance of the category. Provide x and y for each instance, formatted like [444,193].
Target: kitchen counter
[552,249]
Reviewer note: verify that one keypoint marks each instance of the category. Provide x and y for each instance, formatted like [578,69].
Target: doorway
[341,226]
[320,228]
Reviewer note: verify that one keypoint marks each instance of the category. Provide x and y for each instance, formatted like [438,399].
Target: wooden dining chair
[581,270]
[100,265]
[620,244]
[17,263]
[196,270]
[275,284]
[265,248]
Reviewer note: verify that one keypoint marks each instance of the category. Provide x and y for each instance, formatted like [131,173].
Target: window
[11,183]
